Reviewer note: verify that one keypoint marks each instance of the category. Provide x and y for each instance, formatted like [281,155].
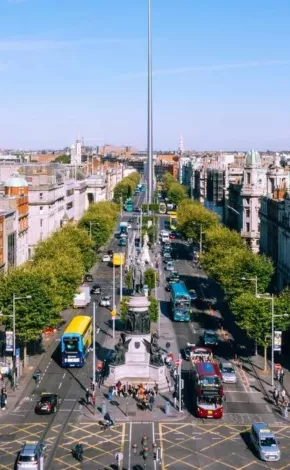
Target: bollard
[104,408]
[167,408]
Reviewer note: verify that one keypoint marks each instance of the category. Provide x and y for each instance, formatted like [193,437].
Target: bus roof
[78,325]
[179,288]
[207,368]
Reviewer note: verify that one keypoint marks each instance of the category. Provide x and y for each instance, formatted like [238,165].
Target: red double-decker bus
[209,390]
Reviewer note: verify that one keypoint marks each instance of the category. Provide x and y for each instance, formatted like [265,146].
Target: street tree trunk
[265,359]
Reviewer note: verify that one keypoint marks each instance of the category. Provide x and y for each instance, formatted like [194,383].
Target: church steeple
[181,145]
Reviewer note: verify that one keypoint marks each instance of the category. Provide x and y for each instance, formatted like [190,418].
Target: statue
[145,240]
[155,352]
[138,322]
[120,349]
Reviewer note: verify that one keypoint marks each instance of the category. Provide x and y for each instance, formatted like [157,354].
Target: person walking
[282,373]
[278,374]
[151,401]
[283,395]
[286,404]
[88,396]
[276,396]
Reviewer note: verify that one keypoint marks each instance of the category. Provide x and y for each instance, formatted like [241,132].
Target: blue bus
[123,228]
[180,302]
[143,188]
[76,341]
[129,205]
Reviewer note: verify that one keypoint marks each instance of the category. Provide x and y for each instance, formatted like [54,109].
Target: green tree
[168,179]
[153,309]
[254,316]
[100,226]
[124,308]
[129,279]
[32,315]
[193,217]
[63,159]
[80,238]
[150,277]
[126,187]
[177,193]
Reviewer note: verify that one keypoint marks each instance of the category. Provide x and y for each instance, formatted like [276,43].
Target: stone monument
[137,355]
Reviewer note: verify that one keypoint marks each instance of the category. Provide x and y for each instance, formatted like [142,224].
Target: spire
[181,145]
[79,137]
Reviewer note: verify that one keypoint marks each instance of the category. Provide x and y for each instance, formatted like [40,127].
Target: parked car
[169,266]
[105,301]
[96,289]
[31,456]
[47,403]
[228,373]
[172,236]
[88,278]
[174,277]
[187,350]
[192,294]
[264,442]
[106,258]
[110,252]
[210,338]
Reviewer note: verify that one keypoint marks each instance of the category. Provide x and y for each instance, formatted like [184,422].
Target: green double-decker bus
[180,302]
[129,205]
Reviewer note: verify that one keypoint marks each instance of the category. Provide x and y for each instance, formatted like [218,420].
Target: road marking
[60,385]
[153,440]
[161,447]
[130,445]
[64,375]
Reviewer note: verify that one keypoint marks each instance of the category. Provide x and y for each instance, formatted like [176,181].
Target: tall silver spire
[150,130]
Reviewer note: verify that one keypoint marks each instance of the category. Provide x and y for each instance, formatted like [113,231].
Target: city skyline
[219,75]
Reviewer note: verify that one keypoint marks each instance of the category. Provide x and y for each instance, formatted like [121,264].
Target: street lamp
[271,298]
[200,237]
[255,279]
[14,298]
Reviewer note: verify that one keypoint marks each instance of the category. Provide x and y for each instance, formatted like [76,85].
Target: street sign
[113,313]
[9,341]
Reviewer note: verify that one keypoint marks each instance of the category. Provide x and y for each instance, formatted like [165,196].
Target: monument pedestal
[136,367]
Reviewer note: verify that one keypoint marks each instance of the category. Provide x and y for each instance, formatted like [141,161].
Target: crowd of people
[143,394]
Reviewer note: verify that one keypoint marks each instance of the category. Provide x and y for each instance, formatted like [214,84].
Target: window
[248,178]
[69,205]
[69,192]
[247,212]
[41,222]
[40,196]
[259,227]
[41,209]
[247,227]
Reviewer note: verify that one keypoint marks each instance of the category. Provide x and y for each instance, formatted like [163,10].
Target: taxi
[265,443]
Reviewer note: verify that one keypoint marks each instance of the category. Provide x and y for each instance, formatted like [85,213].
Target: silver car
[31,456]
[265,443]
[228,373]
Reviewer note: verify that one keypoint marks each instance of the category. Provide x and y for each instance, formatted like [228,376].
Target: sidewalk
[122,409]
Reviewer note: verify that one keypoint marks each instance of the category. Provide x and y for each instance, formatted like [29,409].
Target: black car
[47,403]
[131,220]
[110,252]
[168,287]
[96,289]
[187,350]
[174,277]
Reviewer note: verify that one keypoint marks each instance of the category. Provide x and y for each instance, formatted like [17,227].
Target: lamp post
[13,316]
[94,355]
[200,237]
[271,298]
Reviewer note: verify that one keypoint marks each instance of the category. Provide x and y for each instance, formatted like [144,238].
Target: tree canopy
[126,187]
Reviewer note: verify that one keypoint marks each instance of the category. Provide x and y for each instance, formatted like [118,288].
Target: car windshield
[209,400]
[209,381]
[268,442]
[227,369]
[27,458]
[71,345]
[210,336]
[45,399]
[182,303]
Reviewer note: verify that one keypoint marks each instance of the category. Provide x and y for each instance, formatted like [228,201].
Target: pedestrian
[276,396]
[175,398]
[88,396]
[282,373]
[283,395]
[278,374]
[119,460]
[286,404]
[151,401]
[110,393]
[156,388]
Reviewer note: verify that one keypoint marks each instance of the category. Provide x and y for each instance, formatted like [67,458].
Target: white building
[76,152]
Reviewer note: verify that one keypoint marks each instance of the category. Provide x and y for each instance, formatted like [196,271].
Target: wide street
[185,443]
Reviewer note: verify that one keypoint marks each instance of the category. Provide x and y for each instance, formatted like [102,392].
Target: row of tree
[126,188]
[175,191]
[229,260]
[52,277]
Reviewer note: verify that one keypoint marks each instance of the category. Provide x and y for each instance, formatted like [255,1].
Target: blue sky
[221,73]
